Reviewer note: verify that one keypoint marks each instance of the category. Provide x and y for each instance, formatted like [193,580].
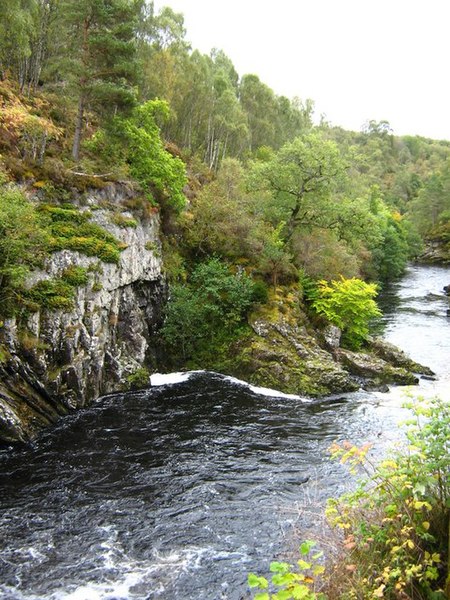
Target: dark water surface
[178,491]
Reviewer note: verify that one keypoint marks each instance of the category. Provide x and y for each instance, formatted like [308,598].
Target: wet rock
[332,337]
[57,361]
[375,369]
[286,353]
[396,357]
[436,252]
[428,377]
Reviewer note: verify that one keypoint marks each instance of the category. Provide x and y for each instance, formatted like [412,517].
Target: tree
[260,105]
[300,177]
[390,256]
[16,30]
[96,55]
[31,66]
[154,167]
[432,200]
[208,311]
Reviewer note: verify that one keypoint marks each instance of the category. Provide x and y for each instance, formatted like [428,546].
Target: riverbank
[188,486]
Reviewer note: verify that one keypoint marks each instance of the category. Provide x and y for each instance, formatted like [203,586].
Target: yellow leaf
[379,592]
[435,557]
[426,525]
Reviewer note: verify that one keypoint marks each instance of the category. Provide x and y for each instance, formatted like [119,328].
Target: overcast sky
[357,59]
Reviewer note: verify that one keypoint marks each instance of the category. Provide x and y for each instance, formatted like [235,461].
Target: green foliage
[349,304]
[207,311]
[57,293]
[97,57]
[64,214]
[391,251]
[260,293]
[396,522]
[123,221]
[16,26]
[50,294]
[292,582]
[150,164]
[75,276]
[310,287]
[23,244]
[71,229]
[139,378]
[301,177]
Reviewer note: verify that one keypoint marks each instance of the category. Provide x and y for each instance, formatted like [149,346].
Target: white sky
[357,59]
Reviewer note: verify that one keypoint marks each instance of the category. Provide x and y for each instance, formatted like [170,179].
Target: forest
[257,202]
[246,185]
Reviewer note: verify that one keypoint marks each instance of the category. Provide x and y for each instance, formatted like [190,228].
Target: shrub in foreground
[395,525]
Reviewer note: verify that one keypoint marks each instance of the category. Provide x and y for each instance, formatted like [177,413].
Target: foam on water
[158,379]
[263,391]
[148,574]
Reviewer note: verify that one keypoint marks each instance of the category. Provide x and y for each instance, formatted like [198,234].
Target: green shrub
[75,276]
[208,311]
[260,293]
[349,304]
[150,164]
[57,293]
[97,286]
[51,294]
[71,229]
[66,214]
[23,245]
[138,378]
[396,523]
[309,286]
[298,583]
[89,246]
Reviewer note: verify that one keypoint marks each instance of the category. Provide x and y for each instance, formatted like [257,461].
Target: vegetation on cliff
[92,92]
[257,205]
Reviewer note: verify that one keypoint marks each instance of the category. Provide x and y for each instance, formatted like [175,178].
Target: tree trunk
[78,129]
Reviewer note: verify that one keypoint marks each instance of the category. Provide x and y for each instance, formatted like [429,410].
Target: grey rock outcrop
[286,353]
[55,362]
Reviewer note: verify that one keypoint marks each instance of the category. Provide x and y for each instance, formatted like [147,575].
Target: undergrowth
[394,525]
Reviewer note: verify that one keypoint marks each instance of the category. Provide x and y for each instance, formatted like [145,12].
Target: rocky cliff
[54,362]
[285,351]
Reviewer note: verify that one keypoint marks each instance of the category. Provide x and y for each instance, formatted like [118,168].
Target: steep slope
[56,361]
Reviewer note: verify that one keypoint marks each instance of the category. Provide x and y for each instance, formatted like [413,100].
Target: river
[178,491]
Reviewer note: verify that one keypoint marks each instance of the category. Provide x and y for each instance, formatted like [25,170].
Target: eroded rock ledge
[55,362]
[285,352]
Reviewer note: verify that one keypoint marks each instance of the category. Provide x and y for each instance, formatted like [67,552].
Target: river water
[178,491]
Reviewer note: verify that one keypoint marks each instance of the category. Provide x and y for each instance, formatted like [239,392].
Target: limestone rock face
[59,361]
